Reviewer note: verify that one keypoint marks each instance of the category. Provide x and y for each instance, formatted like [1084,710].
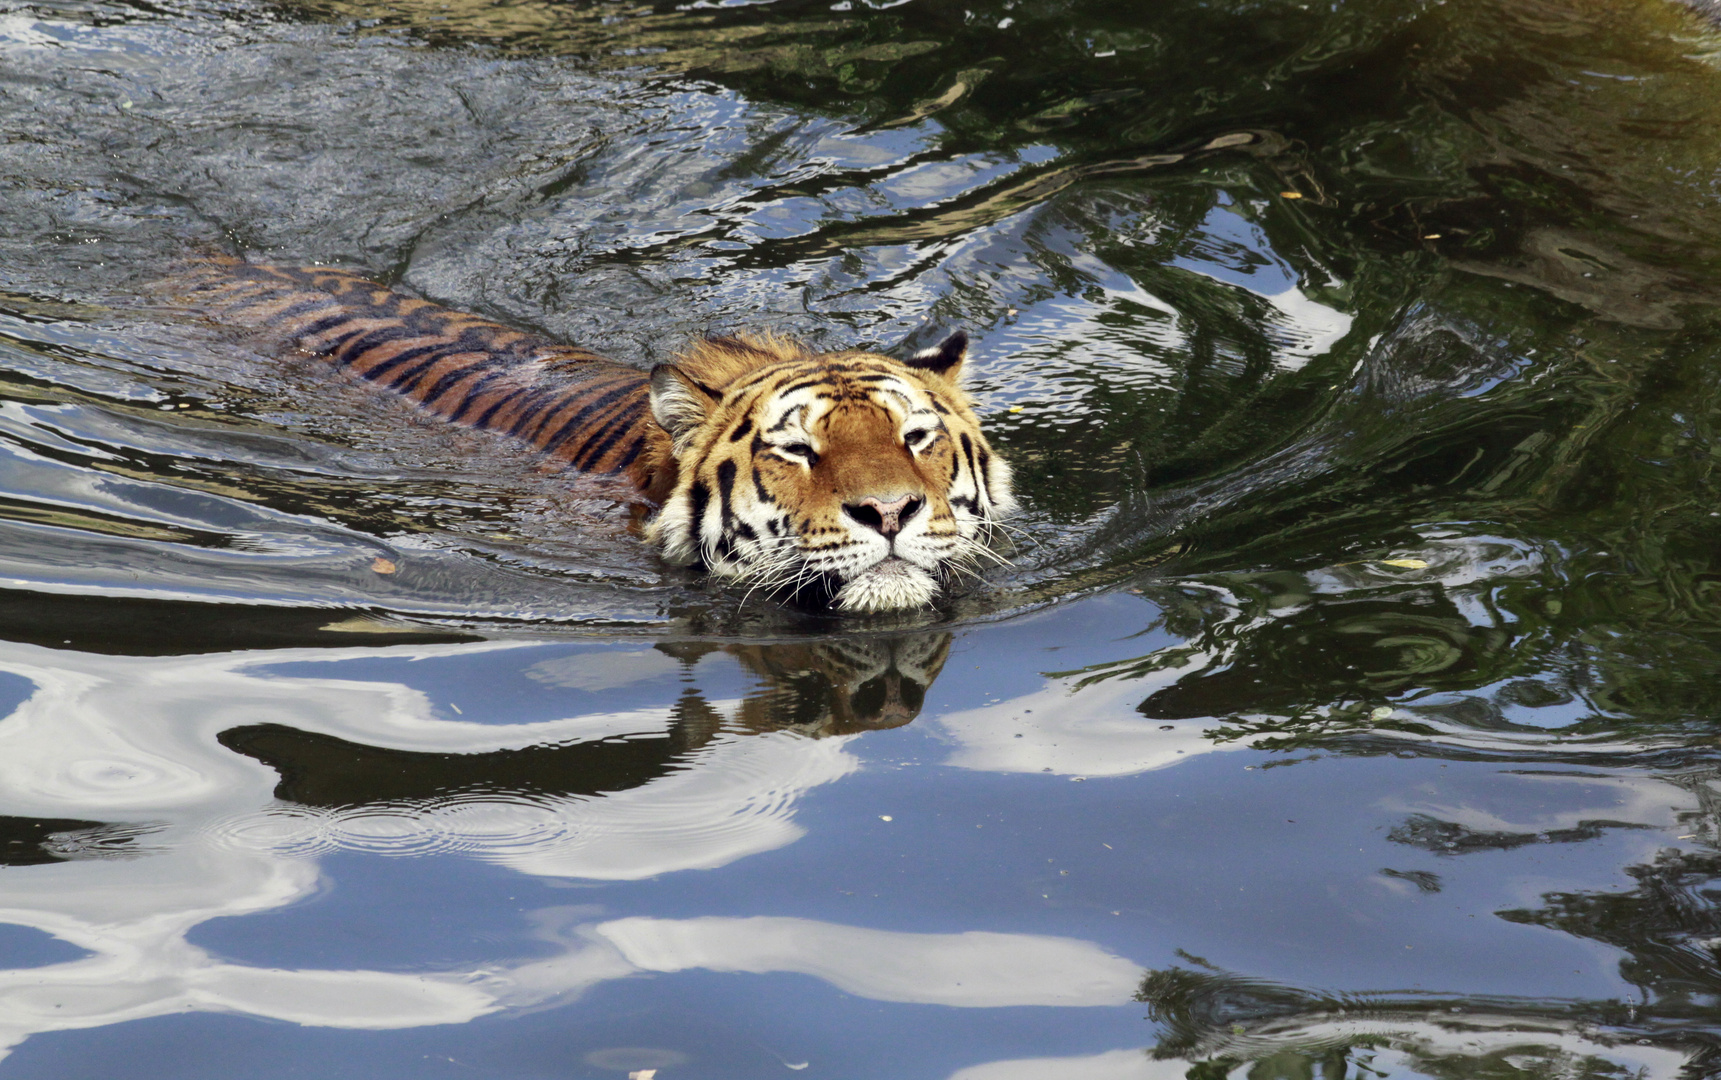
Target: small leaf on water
[1408,564]
[1236,138]
[382,565]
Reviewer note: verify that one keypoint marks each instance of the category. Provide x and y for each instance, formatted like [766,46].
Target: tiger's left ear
[943,359]
[680,403]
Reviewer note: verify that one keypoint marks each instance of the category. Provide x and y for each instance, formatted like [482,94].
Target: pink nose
[885,515]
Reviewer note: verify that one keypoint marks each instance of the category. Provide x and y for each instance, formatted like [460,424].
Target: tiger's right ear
[680,403]
[943,359]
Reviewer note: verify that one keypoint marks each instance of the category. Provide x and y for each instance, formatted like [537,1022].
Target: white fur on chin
[887,586]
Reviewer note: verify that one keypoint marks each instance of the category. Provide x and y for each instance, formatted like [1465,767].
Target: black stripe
[600,425]
[726,489]
[483,418]
[326,324]
[798,410]
[353,348]
[452,379]
[618,426]
[472,396]
[602,435]
[377,371]
[634,449]
[538,399]
[701,498]
[968,451]
[597,403]
[403,382]
[591,409]
[435,351]
[741,432]
[335,345]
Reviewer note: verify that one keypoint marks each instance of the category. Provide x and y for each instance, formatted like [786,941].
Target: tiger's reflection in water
[830,687]
[142,797]
[814,689]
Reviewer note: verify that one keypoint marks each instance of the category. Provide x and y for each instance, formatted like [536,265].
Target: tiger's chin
[890,584]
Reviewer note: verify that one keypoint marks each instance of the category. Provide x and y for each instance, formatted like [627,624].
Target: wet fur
[756,450]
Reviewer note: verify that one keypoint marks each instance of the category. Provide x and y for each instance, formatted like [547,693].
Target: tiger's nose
[885,515]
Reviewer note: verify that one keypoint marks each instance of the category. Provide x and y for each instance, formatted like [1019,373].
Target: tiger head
[848,477]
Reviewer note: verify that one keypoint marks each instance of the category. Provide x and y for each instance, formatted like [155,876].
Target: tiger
[849,480]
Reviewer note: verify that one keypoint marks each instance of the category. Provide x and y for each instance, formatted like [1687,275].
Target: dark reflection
[1424,880]
[1442,641]
[138,627]
[36,841]
[1451,838]
[321,770]
[1668,925]
[1669,922]
[816,689]
[1221,1022]
[829,687]
[1352,648]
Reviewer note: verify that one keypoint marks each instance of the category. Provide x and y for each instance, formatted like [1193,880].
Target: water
[1347,708]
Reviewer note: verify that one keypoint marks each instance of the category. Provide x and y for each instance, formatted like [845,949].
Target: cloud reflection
[971,970]
[146,792]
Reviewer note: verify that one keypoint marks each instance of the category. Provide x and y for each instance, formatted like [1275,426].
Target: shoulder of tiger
[582,410]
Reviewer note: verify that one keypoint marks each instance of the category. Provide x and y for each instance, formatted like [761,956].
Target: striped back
[583,411]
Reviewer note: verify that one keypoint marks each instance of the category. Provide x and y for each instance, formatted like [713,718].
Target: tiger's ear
[943,359]
[680,403]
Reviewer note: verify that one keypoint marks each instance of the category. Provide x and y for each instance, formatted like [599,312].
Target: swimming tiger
[848,478]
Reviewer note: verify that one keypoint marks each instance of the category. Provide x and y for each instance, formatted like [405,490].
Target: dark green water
[1349,708]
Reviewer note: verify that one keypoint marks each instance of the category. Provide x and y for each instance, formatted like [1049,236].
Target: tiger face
[848,477]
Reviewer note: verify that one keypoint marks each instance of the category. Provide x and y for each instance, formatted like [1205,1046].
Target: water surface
[1347,707]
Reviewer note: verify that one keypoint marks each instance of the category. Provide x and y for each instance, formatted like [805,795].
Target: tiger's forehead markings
[788,416]
[798,398]
[894,406]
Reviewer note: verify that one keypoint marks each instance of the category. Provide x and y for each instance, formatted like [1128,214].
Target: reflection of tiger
[849,476]
[824,687]
[815,689]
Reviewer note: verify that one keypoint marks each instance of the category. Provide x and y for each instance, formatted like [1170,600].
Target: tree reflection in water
[1217,1022]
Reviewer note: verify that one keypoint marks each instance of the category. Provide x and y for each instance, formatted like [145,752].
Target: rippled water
[1347,708]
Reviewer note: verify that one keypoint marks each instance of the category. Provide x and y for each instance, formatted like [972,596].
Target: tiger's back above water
[581,409]
[849,477]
